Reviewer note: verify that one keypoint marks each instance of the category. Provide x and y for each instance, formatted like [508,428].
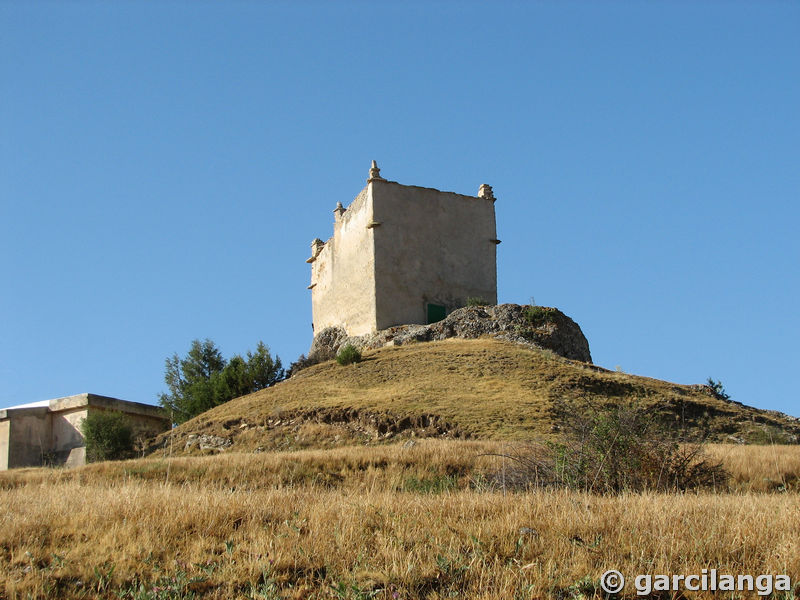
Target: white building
[48,432]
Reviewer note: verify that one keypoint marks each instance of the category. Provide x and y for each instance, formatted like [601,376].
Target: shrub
[348,354]
[477,302]
[539,315]
[614,450]
[302,362]
[107,435]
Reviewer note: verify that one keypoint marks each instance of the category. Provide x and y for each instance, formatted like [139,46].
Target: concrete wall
[29,437]
[343,273]
[66,435]
[5,432]
[431,247]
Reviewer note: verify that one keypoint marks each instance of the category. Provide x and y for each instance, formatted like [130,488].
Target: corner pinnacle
[375,172]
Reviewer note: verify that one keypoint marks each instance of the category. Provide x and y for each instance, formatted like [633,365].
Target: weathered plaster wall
[29,437]
[66,430]
[343,273]
[5,431]
[431,247]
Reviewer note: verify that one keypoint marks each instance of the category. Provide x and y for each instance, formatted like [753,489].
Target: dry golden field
[377,522]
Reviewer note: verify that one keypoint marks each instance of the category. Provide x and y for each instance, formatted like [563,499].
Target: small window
[436,312]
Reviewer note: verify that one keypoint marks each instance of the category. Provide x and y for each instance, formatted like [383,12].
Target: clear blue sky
[165,165]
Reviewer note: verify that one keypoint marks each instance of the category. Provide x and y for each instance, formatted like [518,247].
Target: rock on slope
[531,326]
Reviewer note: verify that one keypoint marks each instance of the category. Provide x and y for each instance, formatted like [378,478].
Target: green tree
[718,389]
[263,370]
[189,380]
[107,435]
[204,379]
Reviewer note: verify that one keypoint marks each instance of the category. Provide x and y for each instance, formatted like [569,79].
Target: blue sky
[164,167]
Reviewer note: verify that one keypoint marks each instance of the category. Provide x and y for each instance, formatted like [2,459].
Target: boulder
[531,326]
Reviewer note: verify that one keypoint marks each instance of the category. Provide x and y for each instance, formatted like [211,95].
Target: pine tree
[204,379]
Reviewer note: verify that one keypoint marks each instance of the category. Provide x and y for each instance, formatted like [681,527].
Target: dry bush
[614,450]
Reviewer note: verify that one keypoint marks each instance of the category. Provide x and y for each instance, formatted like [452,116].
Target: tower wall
[343,272]
[431,247]
[403,254]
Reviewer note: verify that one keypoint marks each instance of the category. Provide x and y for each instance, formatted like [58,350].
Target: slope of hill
[466,389]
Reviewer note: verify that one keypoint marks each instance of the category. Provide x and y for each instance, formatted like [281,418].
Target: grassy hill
[481,389]
[393,520]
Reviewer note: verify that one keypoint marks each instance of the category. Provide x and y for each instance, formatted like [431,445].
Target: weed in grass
[352,591]
[436,484]
[166,587]
[104,577]
[265,589]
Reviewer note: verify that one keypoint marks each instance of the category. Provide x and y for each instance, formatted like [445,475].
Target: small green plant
[177,586]
[265,589]
[539,315]
[435,484]
[344,591]
[477,302]
[105,576]
[348,355]
[583,588]
[108,436]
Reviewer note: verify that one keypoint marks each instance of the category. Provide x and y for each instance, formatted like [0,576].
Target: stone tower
[403,254]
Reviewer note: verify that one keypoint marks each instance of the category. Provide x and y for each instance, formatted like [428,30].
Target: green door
[436,313]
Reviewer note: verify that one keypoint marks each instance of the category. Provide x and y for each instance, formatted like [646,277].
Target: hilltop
[483,389]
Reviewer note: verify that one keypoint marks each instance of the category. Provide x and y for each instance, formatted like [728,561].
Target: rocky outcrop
[531,326]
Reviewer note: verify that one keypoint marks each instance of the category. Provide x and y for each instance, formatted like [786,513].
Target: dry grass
[67,538]
[385,468]
[482,389]
[760,468]
[332,524]
[462,464]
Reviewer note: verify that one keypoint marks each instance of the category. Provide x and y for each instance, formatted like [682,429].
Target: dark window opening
[436,313]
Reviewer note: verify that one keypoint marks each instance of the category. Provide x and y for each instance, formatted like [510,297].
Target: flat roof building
[49,432]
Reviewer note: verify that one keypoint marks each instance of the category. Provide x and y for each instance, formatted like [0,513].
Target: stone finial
[485,191]
[339,210]
[375,173]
